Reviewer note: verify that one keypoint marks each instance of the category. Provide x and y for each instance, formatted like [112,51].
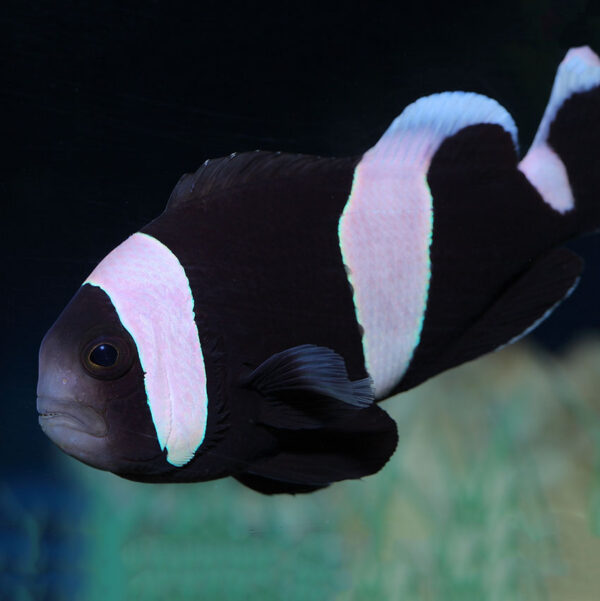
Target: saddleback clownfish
[252,329]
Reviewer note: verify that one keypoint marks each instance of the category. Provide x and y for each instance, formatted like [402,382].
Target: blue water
[41,540]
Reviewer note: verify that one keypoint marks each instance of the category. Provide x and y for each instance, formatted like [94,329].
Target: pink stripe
[385,232]
[548,175]
[151,294]
[578,72]
[386,227]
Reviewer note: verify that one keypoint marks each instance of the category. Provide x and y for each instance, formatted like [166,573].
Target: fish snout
[78,429]
[55,414]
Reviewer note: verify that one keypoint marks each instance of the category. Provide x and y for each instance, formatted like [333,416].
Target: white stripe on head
[578,72]
[386,227]
[151,294]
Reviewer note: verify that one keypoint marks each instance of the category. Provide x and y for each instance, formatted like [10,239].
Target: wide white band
[151,294]
[386,227]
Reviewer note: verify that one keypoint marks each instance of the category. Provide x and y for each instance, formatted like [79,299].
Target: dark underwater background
[493,492]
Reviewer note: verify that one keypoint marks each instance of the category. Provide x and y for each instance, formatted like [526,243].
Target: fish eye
[104,355]
[107,357]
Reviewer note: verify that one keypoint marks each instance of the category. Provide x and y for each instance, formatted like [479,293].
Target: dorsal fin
[249,168]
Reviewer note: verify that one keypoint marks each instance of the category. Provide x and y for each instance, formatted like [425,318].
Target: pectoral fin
[313,369]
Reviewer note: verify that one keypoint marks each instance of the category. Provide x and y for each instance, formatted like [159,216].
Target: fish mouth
[54,414]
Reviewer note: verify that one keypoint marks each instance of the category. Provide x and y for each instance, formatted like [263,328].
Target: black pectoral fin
[358,445]
[312,369]
[521,308]
[304,413]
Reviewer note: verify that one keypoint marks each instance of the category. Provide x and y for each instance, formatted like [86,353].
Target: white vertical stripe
[151,294]
[386,227]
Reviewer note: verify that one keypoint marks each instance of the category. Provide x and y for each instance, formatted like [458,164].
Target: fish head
[91,399]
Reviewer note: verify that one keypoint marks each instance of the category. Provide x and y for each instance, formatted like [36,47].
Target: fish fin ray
[313,369]
[358,445]
[286,414]
[527,301]
[249,168]
[521,308]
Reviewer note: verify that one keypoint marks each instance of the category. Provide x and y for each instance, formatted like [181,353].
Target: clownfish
[252,329]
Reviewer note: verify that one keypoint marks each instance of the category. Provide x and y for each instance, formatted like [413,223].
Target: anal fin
[528,301]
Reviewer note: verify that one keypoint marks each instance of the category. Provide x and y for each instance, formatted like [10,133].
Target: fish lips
[57,413]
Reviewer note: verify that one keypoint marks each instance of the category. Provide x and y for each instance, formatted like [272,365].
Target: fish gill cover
[493,494]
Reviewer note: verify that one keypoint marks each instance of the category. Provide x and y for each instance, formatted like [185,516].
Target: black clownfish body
[251,329]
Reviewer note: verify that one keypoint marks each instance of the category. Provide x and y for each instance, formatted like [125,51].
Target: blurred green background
[493,493]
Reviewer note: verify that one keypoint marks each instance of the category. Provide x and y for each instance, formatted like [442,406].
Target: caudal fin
[563,162]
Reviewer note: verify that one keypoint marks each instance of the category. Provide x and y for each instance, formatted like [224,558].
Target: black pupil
[104,355]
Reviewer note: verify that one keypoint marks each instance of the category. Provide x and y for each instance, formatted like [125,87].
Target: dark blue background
[106,104]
